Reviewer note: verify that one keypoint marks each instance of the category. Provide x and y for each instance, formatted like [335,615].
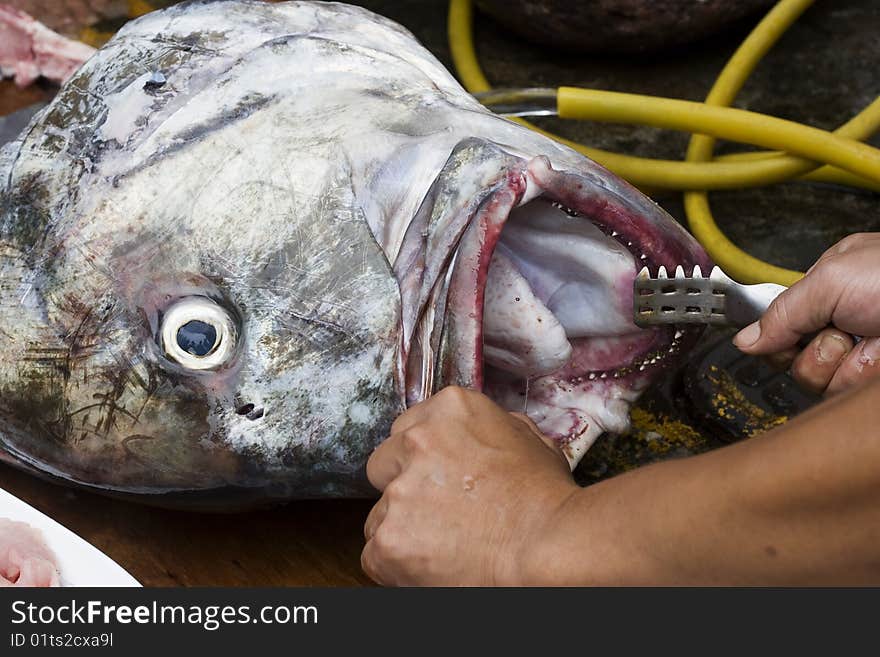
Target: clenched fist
[466,489]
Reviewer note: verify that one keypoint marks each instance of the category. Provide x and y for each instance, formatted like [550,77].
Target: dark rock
[618,25]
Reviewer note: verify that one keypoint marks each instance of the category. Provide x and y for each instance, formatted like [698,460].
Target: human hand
[840,294]
[466,489]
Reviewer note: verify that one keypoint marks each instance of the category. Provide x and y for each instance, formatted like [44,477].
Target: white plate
[79,562]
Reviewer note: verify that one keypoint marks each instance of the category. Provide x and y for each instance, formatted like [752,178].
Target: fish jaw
[295,169]
[516,279]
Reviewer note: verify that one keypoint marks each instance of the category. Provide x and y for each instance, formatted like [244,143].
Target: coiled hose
[799,151]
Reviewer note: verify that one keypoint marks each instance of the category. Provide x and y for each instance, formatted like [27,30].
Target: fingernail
[748,336]
[831,348]
[870,351]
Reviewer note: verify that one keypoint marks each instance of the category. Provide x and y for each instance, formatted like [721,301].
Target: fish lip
[636,223]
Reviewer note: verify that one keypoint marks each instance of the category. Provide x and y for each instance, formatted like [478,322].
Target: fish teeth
[698,273]
[661,273]
[679,272]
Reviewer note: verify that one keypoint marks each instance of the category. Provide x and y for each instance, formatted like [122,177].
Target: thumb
[802,309]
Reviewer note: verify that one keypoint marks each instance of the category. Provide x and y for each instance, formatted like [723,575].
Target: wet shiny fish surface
[244,237]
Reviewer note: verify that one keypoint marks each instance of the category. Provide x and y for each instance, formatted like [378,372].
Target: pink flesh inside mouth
[539,305]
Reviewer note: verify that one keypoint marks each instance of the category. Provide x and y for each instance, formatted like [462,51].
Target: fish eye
[198,334]
[197,338]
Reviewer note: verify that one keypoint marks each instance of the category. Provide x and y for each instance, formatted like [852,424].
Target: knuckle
[830,270]
[373,459]
[777,314]
[416,440]
[368,564]
[456,395]
[374,468]
[372,475]
[849,241]
[449,392]
[402,421]
[396,492]
[388,544]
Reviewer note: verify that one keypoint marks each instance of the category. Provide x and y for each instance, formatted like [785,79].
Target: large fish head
[193,300]
[245,236]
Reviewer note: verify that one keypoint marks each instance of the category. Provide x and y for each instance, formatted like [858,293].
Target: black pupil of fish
[196,338]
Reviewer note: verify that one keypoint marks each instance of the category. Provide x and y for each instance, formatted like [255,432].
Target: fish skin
[318,176]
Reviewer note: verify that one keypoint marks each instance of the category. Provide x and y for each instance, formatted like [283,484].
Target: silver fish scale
[696,299]
[313,177]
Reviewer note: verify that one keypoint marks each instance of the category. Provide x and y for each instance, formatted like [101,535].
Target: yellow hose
[730,257]
[825,174]
[647,172]
[855,164]
[733,124]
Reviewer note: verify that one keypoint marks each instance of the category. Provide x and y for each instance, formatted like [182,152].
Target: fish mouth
[533,304]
